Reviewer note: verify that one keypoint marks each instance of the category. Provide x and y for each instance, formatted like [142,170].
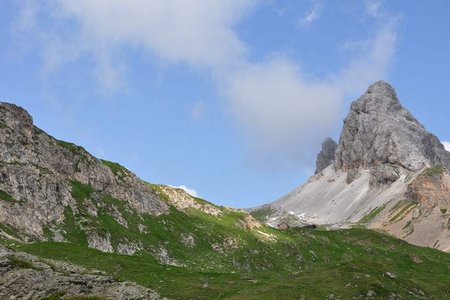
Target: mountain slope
[383,164]
[354,263]
[60,203]
[43,178]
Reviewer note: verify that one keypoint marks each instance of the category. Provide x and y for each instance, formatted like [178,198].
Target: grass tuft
[371,215]
[118,170]
[7,197]
[81,191]
[435,171]
[20,263]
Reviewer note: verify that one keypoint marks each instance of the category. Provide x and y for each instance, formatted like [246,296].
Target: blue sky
[229,98]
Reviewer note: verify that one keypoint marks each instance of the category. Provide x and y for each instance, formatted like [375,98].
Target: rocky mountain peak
[379,130]
[380,99]
[382,88]
[326,155]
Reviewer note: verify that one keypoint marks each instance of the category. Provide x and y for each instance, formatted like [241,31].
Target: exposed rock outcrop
[377,178]
[251,223]
[423,216]
[378,130]
[326,155]
[37,174]
[24,276]
[183,201]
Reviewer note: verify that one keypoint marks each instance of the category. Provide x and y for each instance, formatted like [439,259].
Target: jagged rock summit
[379,130]
[388,173]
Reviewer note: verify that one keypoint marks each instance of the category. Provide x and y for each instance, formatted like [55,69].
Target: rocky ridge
[38,172]
[380,176]
[55,194]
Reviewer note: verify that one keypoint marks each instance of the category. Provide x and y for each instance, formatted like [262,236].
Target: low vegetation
[219,257]
[262,213]
[435,171]
[370,216]
[59,296]
[352,263]
[401,210]
[75,149]
[157,189]
[191,254]
[20,263]
[81,191]
[118,170]
[6,197]
[226,260]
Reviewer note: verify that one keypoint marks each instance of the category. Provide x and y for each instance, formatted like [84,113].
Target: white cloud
[374,60]
[283,114]
[280,111]
[446,145]
[310,16]
[194,32]
[188,190]
[373,7]
[198,32]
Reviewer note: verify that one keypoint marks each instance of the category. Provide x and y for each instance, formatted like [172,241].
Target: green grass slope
[262,263]
[311,264]
[192,254]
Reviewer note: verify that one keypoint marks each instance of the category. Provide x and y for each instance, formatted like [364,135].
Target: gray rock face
[389,174]
[24,276]
[326,155]
[378,130]
[37,173]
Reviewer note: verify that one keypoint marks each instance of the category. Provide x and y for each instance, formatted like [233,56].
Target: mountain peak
[382,88]
[380,99]
[379,130]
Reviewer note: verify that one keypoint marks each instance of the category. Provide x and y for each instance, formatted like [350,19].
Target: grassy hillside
[290,265]
[202,251]
[316,265]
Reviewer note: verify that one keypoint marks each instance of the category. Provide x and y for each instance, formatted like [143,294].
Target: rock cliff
[377,179]
[379,130]
[38,176]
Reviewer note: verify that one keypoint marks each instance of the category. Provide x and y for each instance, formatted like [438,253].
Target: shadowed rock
[326,155]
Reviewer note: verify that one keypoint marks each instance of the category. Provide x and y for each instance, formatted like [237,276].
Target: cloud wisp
[446,145]
[283,115]
[198,33]
[310,16]
[280,111]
